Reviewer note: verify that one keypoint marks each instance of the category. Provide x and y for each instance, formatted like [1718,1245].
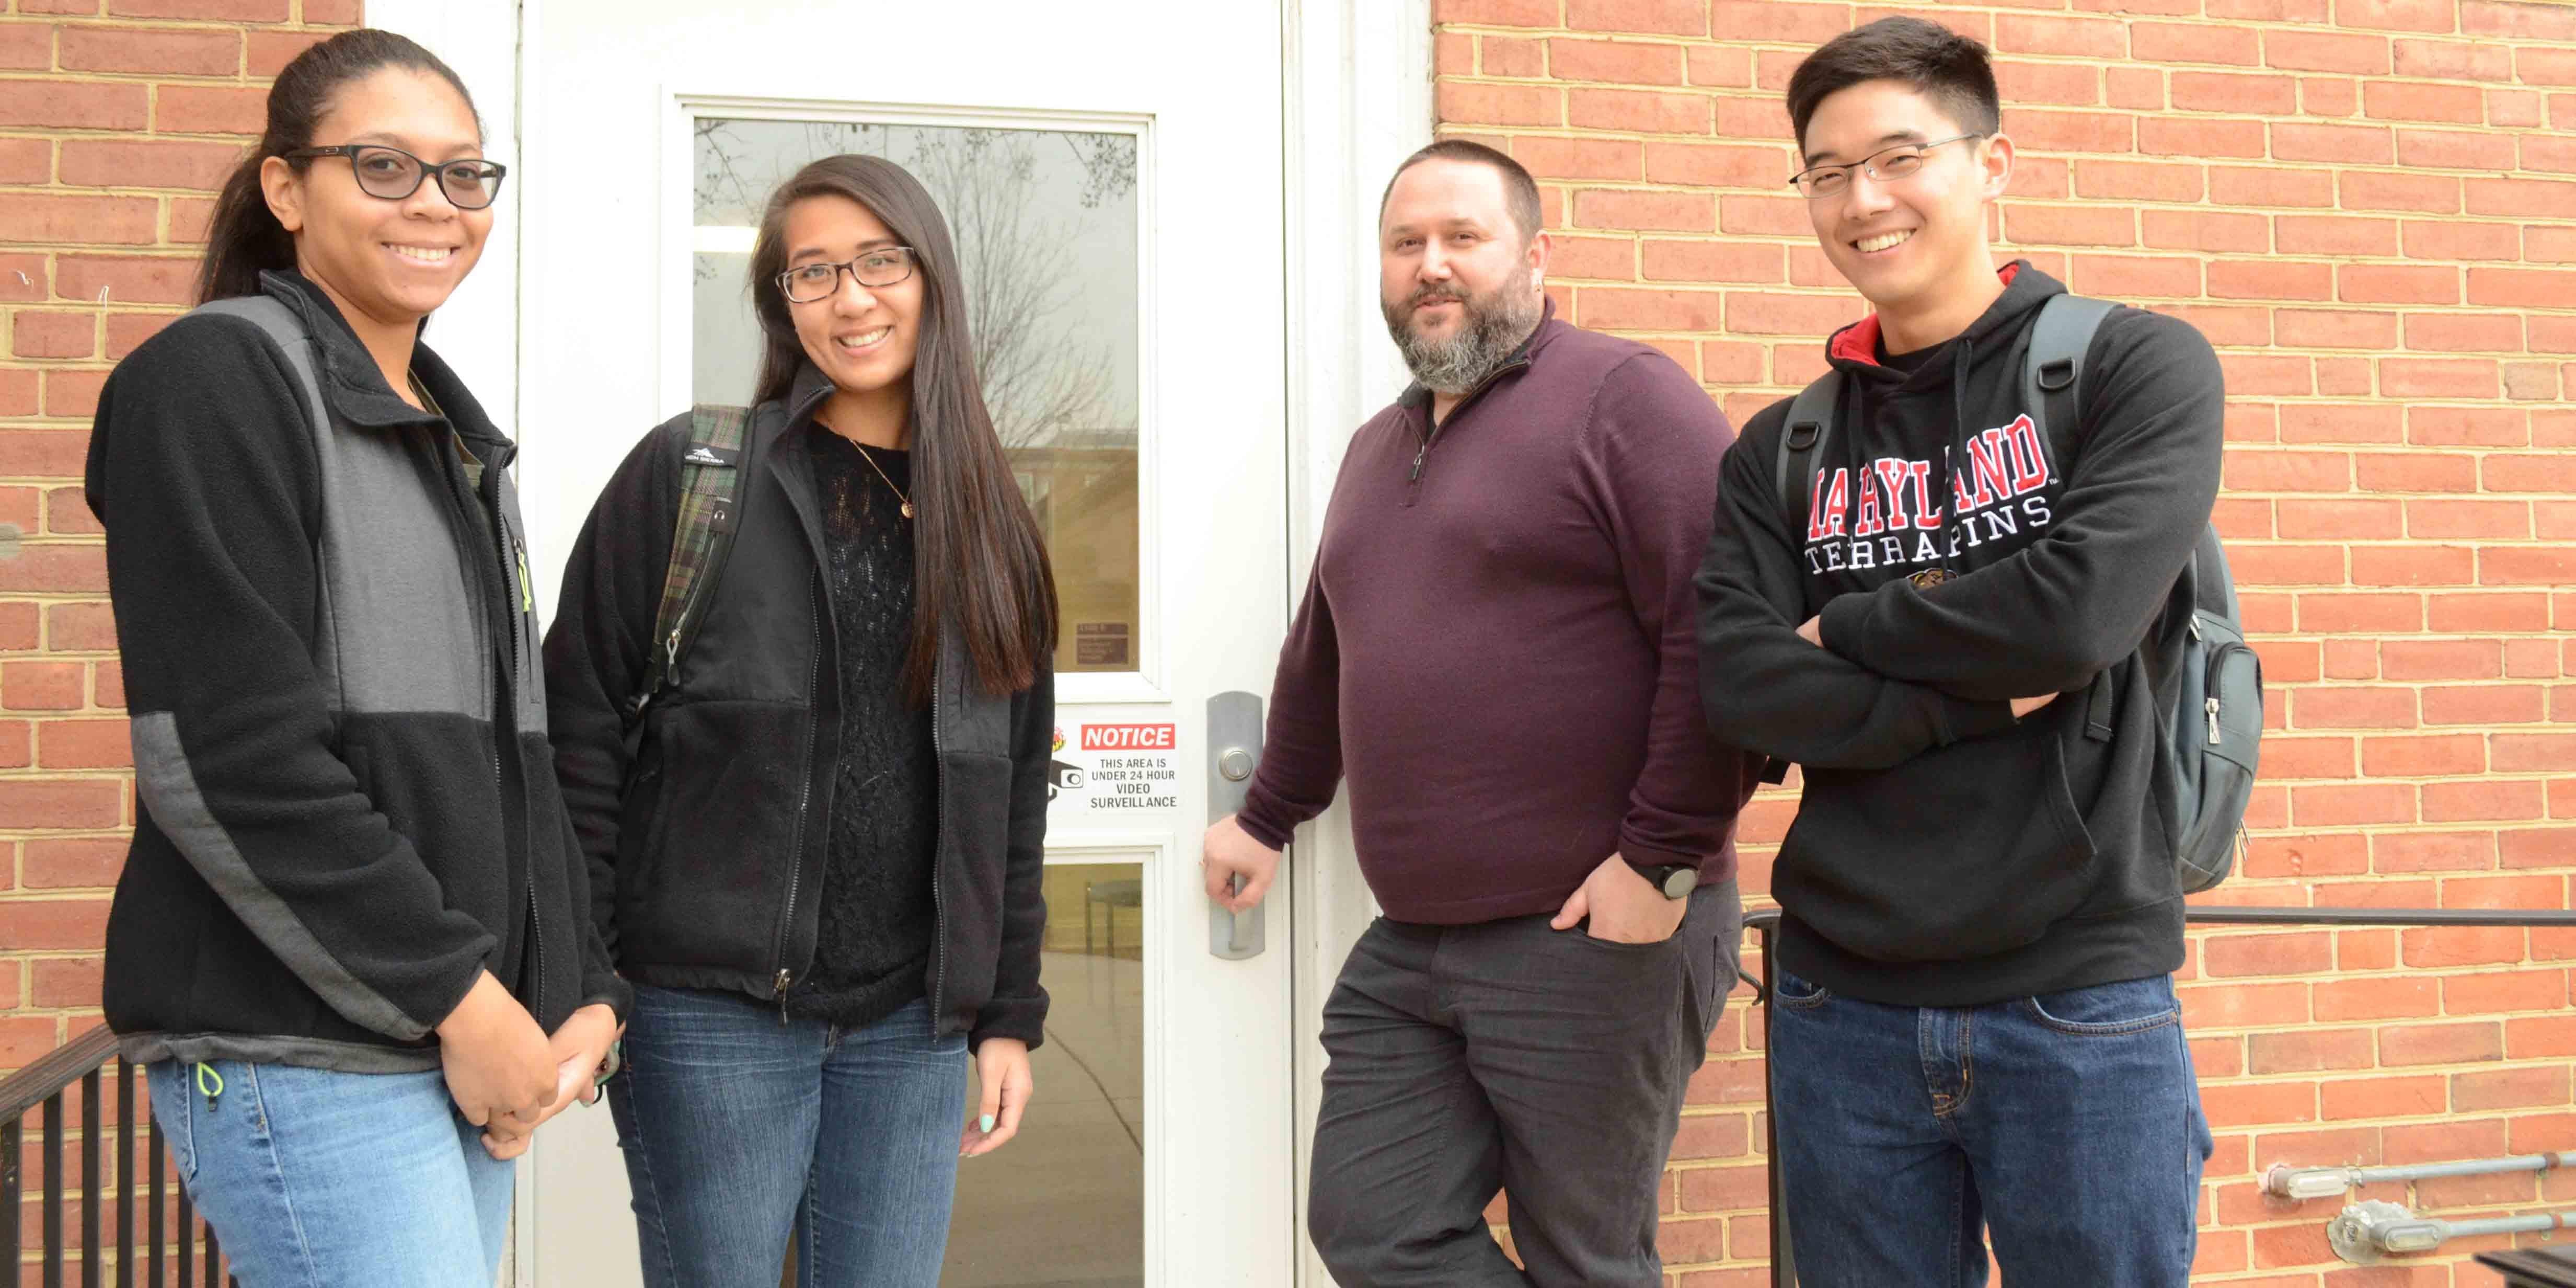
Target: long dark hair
[245,238]
[979,564]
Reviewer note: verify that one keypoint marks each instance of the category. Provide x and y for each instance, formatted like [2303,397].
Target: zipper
[513,561]
[804,798]
[938,847]
[1431,432]
[2209,682]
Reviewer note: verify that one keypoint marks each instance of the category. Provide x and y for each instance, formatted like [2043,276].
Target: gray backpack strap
[284,326]
[2052,375]
[1811,421]
[1802,437]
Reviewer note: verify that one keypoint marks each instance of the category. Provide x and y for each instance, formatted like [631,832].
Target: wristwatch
[1676,880]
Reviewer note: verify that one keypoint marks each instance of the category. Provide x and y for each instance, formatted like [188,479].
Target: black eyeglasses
[884,266]
[394,174]
[1886,164]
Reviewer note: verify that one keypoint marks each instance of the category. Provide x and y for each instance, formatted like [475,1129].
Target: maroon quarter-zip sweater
[1496,645]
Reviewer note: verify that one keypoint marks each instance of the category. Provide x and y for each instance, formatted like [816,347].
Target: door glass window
[1045,223]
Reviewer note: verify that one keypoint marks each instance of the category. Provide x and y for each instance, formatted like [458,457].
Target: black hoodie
[1946,854]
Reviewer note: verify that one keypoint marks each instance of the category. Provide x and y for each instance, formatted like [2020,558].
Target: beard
[1489,332]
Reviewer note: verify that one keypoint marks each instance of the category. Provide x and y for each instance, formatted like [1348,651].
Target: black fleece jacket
[1944,853]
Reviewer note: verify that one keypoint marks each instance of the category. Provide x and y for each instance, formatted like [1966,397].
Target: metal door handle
[1234,750]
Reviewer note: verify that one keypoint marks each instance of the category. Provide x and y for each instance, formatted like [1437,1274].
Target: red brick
[2341,144]
[2452,520]
[2286,758]
[2301,856]
[2376,999]
[2438,377]
[2532,21]
[2417,1044]
[1718,166]
[127,331]
[2342,423]
[2329,95]
[2398,15]
[2402,101]
[1652,211]
[2334,235]
[2509,1089]
[2070,226]
[2463,802]
[2103,179]
[126,280]
[80,219]
[217,109]
[2234,92]
[2208,1007]
[53,335]
[2283,471]
[2201,137]
[2420,757]
[2333,329]
[1669,17]
[26,161]
[2482,704]
[2308,1051]
[2345,805]
[73,105]
[1764,314]
[2063,84]
[58,803]
[41,686]
[2332,708]
[1711,261]
[2490,611]
[2522,287]
[2250,1104]
[1642,111]
[2416,472]
[2046,131]
[127,49]
[2300,953]
[2312,51]
[2190,42]
[2534,1037]
[2134,277]
[2408,1097]
[2239,279]
[1619,62]
[125,163]
[216,10]
[2424,239]
[2543,198]
[74,862]
[2271,186]
[2545,66]
[2465,333]
[2397,284]
[2443,660]
[1482,13]
[84,744]
[1721,66]
[1631,309]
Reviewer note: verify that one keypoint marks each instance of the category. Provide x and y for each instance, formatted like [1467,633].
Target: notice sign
[1129,766]
[1100,644]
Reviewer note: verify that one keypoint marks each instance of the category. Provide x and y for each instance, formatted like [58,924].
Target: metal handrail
[1765,922]
[44,1085]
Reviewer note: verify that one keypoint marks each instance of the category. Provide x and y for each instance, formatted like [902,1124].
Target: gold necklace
[870,458]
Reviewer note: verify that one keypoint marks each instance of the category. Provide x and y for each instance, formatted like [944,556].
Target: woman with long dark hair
[816,816]
[353,912]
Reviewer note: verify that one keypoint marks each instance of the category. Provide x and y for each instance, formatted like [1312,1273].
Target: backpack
[710,510]
[2210,722]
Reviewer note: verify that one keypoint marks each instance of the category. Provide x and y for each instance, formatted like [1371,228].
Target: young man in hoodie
[1495,650]
[1973,1023]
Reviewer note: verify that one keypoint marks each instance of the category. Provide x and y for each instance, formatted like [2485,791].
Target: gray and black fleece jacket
[348,804]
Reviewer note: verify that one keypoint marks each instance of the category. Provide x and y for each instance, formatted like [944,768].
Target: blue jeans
[2069,1124]
[739,1129]
[316,1179]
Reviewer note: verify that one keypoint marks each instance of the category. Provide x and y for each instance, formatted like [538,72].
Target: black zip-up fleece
[1945,854]
[707,853]
[349,809]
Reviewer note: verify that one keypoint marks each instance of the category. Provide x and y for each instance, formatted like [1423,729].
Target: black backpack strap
[701,539]
[1811,421]
[2052,375]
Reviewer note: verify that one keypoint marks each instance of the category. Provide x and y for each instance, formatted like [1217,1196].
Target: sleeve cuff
[1962,719]
[1844,623]
[1642,857]
[1257,824]
[1024,1020]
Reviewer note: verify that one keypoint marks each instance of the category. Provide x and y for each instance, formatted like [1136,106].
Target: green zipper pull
[210,1084]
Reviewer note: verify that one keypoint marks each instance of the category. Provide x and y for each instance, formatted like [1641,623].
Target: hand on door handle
[1229,852]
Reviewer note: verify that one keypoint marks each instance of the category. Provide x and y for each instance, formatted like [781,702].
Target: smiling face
[1905,243]
[389,263]
[862,337]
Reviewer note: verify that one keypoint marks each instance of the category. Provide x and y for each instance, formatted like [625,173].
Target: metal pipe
[2366,1232]
[2285,1181]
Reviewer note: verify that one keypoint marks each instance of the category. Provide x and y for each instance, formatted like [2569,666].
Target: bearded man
[1495,649]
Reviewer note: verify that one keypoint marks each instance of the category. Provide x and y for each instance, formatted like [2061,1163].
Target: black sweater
[872,947]
[1945,854]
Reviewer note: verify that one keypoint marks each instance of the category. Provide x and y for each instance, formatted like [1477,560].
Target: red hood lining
[1859,341]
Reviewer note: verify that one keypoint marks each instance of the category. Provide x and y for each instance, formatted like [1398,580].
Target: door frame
[1356,98]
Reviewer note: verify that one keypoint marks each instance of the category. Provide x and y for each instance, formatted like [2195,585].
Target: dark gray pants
[1509,1056]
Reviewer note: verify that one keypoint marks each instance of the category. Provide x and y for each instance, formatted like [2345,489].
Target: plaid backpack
[2210,726]
[710,506]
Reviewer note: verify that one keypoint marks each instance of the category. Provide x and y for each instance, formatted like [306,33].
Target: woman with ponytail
[816,845]
[351,941]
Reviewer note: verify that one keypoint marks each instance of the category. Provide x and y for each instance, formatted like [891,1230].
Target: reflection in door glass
[1063,1204]
[1046,228]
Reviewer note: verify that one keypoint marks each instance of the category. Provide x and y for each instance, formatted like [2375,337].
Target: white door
[1113,173]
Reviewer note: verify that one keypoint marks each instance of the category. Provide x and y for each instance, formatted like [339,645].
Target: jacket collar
[355,387]
[1855,348]
[1417,398]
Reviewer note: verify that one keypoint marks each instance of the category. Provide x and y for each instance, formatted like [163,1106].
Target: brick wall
[118,119]
[2370,207]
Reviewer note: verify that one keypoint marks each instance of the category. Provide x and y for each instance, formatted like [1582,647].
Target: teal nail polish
[988,1124]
